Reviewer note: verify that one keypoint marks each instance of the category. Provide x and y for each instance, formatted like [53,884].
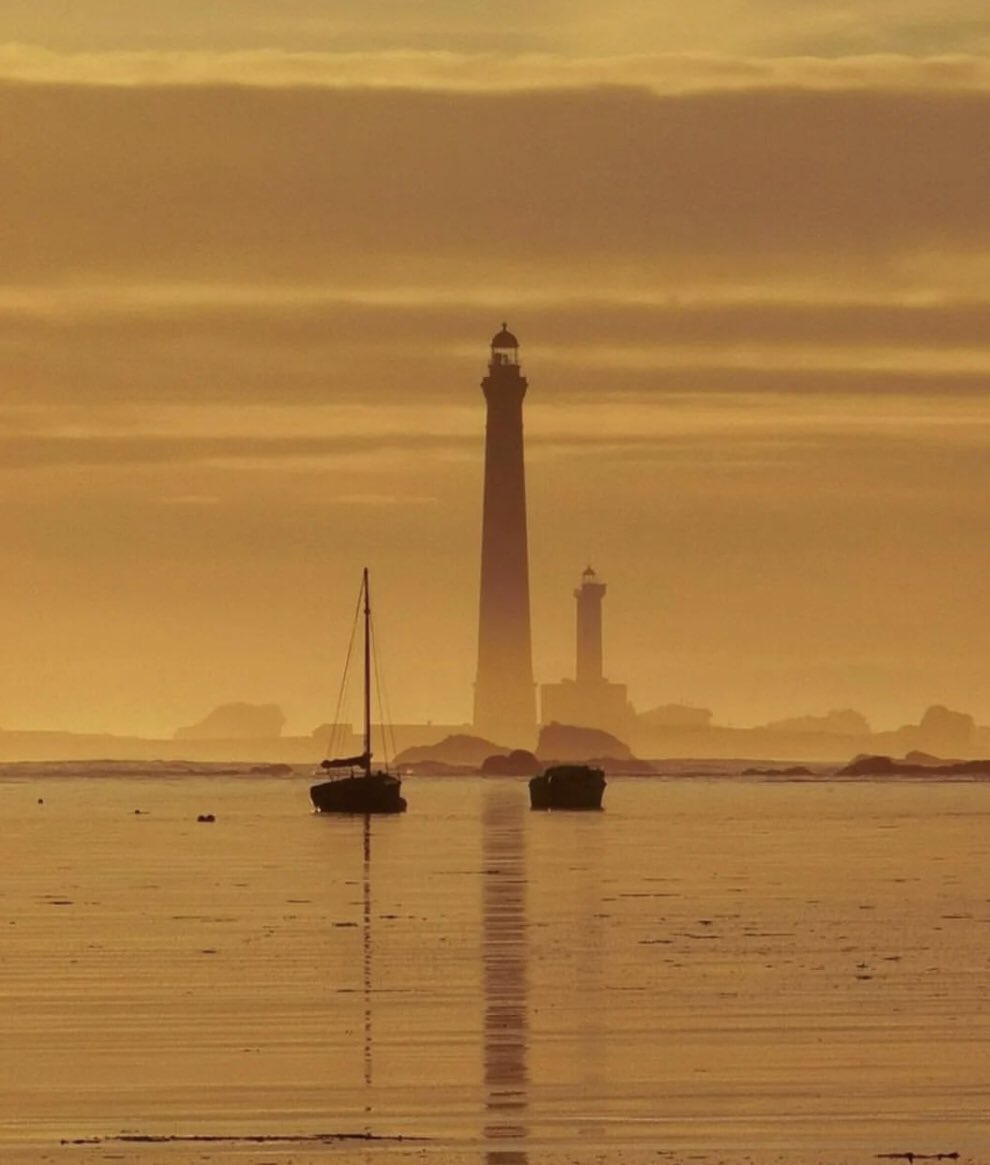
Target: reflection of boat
[567,787]
[359,790]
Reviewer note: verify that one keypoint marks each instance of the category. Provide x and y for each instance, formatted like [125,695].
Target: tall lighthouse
[504,696]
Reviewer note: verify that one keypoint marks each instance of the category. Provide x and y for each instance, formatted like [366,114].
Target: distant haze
[251,264]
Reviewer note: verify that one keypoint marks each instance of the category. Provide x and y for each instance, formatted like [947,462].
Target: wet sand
[708,971]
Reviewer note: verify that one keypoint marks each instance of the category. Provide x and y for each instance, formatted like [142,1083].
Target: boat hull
[567,787]
[376,793]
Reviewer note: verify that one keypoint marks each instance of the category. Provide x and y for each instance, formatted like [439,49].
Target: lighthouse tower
[589,629]
[589,700]
[504,696]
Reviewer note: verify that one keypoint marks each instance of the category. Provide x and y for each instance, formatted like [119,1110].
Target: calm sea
[708,971]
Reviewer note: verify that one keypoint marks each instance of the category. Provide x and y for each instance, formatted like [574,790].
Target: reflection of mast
[366,951]
[504,960]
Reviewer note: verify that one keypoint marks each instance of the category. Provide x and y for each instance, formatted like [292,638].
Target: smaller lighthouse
[589,597]
[589,700]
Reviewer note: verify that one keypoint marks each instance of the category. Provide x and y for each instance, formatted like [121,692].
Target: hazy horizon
[789,725]
[253,261]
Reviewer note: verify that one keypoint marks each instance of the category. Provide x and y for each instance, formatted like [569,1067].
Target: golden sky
[252,255]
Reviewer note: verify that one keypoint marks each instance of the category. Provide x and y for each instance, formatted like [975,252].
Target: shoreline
[696,769]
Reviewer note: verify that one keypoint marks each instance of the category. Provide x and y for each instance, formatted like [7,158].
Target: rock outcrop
[458,749]
[888,766]
[518,763]
[238,721]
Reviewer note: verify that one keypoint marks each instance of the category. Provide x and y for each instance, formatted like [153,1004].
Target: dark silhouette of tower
[504,696]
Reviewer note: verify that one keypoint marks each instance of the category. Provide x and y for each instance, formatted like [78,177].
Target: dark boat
[359,790]
[567,787]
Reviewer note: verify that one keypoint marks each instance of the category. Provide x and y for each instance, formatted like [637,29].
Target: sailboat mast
[367,673]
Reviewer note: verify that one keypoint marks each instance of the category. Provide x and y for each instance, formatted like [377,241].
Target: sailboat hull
[374,793]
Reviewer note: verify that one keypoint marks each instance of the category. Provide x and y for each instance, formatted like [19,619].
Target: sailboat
[359,790]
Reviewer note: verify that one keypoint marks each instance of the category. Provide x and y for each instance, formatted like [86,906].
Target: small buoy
[41,800]
[206,817]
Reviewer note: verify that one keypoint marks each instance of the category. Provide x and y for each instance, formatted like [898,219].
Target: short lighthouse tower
[589,595]
[589,700]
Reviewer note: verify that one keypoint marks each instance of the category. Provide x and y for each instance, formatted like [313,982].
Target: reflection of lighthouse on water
[504,953]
